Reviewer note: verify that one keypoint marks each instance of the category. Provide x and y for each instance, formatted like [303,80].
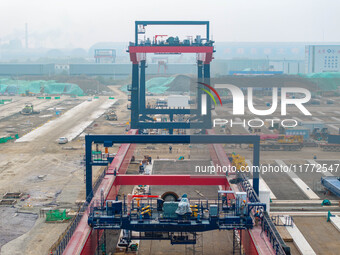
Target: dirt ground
[52,175]
[49,174]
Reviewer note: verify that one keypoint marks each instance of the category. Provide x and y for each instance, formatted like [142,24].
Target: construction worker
[243,208]
[141,168]
[257,218]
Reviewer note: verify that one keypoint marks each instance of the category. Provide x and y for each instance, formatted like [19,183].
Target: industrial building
[105,55]
[120,70]
[26,69]
[322,58]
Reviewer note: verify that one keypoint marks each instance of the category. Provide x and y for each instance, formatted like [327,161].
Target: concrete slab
[320,234]
[313,214]
[331,162]
[183,167]
[66,119]
[299,240]
[301,184]
[282,186]
[335,128]
[211,242]
[296,118]
[17,105]
[317,119]
[263,184]
[78,129]
[245,128]
[334,118]
[336,222]
[313,162]
[311,174]
[301,202]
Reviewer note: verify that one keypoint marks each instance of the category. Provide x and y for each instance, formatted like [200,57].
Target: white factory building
[322,58]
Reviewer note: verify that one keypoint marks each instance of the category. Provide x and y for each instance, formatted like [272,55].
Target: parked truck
[276,142]
[333,143]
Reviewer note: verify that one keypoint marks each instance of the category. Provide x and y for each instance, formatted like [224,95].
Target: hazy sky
[81,23]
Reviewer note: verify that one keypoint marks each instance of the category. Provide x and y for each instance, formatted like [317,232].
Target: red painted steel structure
[180,180]
[137,53]
[84,240]
[248,243]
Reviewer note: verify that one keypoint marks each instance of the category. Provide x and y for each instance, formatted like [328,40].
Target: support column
[142,87]
[207,117]
[134,97]
[256,163]
[171,130]
[199,92]
[88,168]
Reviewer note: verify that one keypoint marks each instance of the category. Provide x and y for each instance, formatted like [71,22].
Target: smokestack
[26,35]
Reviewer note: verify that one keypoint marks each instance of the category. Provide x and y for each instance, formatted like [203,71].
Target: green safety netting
[63,88]
[5,139]
[3,88]
[156,85]
[73,89]
[36,87]
[8,138]
[325,81]
[56,215]
[54,88]
[32,87]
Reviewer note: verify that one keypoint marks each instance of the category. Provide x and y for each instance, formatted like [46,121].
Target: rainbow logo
[209,93]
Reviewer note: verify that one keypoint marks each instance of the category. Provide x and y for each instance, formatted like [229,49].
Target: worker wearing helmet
[257,217]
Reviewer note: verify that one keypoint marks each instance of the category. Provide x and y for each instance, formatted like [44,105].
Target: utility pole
[26,35]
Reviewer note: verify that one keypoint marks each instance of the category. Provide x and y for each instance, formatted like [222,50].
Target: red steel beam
[180,180]
[137,53]
[171,49]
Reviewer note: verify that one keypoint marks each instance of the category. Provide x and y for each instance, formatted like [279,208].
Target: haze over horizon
[73,24]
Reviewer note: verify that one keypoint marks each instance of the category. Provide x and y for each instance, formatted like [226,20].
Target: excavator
[28,110]
[111,115]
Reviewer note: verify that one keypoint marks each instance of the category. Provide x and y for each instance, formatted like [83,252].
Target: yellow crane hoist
[238,161]
[146,210]
[194,210]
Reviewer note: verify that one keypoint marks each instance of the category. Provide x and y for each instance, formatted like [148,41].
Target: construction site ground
[320,234]
[52,175]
